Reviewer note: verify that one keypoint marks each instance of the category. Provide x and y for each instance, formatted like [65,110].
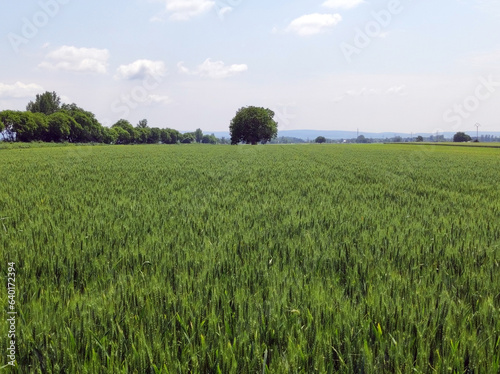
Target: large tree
[46,103]
[252,125]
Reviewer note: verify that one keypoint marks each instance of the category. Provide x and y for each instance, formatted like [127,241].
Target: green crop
[276,259]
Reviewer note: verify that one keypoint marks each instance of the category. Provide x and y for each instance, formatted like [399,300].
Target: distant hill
[334,134]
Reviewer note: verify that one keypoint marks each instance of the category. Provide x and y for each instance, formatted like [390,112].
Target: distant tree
[165,136]
[397,139]
[109,135]
[361,139]
[46,103]
[460,137]
[176,136]
[126,126]
[122,135]
[89,129]
[209,139]
[252,125]
[420,138]
[143,124]
[59,127]
[141,135]
[42,126]
[170,136]
[198,134]
[2,126]
[154,135]
[320,139]
[9,118]
[188,137]
[25,127]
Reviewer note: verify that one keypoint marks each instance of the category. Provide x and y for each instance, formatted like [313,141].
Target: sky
[402,66]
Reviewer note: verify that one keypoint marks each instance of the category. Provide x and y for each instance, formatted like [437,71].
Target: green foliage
[252,125]
[209,139]
[122,136]
[460,137]
[141,135]
[46,103]
[10,119]
[25,127]
[420,138]
[143,124]
[89,130]
[109,135]
[125,131]
[60,127]
[154,135]
[216,259]
[320,139]
[362,139]
[198,135]
[188,137]
[170,136]
[46,120]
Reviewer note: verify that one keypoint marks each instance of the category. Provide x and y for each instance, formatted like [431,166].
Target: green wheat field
[264,259]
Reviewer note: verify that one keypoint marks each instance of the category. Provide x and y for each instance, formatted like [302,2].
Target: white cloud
[141,69]
[226,9]
[342,4]
[311,24]
[393,90]
[69,58]
[214,69]
[19,90]
[396,90]
[158,99]
[183,10]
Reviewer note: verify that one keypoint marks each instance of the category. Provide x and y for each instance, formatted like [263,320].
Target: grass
[296,259]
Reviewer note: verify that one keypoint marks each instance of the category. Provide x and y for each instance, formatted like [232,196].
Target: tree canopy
[252,125]
[361,139]
[460,137]
[320,139]
[46,103]
[47,120]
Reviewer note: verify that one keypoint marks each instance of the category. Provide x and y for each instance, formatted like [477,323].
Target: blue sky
[394,65]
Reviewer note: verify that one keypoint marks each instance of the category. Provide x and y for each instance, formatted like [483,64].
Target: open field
[279,259]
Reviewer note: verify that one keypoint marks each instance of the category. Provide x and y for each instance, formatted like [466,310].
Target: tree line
[47,120]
